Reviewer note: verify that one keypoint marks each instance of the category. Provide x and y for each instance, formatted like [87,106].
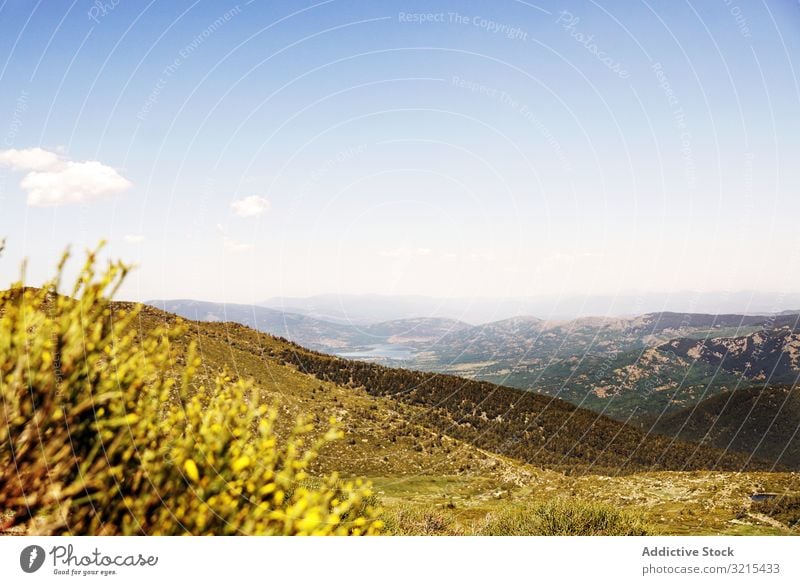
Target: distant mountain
[311,332]
[627,368]
[522,338]
[769,355]
[761,421]
[371,309]
[506,339]
[419,330]
[522,425]
[374,308]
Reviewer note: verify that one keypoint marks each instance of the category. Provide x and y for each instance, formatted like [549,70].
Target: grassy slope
[758,420]
[455,485]
[526,426]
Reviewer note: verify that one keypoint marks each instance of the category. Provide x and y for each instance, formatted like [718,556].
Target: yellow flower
[241,463]
[310,522]
[190,467]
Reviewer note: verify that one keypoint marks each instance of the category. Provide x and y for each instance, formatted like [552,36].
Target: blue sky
[437,148]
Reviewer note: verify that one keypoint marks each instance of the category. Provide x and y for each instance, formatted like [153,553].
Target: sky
[241,151]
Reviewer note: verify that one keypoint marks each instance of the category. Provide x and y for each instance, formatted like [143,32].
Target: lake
[761,497]
[383,351]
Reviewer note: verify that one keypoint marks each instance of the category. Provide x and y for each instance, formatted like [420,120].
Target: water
[383,351]
[762,497]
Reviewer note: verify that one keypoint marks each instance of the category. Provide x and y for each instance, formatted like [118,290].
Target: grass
[674,503]
[562,517]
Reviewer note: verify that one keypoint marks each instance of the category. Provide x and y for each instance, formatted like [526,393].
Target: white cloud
[251,206]
[134,238]
[29,159]
[53,181]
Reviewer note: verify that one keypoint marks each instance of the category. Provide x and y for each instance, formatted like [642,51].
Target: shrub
[103,431]
[419,520]
[561,517]
[784,508]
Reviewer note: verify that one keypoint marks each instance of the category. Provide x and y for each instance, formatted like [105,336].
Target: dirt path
[767,520]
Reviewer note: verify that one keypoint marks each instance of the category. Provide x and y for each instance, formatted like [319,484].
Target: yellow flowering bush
[104,432]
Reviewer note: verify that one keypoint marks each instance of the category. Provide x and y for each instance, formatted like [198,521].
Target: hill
[526,426]
[523,339]
[763,421]
[309,331]
[459,480]
[770,355]
[438,476]
[424,330]
[532,428]
[630,369]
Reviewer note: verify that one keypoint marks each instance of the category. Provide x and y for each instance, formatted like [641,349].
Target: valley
[632,369]
[445,456]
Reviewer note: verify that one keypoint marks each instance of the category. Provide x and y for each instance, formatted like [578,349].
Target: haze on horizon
[370,309]
[239,152]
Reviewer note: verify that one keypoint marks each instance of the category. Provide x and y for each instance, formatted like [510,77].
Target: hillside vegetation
[430,482]
[108,432]
[630,369]
[434,448]
[762,421]
[523,425]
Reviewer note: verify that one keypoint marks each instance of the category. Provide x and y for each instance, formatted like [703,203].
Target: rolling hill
[521,339]
[523,425]
[450,456]
[763,421]
[633,368]
[331,336]
[309,331]
[630,369]
[771,356]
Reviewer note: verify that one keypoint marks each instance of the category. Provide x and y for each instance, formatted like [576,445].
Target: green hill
[453,456]
[763,422]
[439,473]
[523,425]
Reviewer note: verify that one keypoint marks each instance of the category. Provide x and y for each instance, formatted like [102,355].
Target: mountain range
[374,308]
[526,426]
[631,369]
[446,452]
